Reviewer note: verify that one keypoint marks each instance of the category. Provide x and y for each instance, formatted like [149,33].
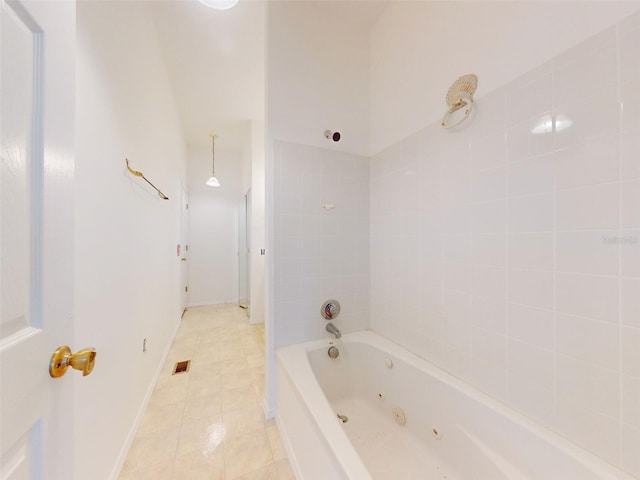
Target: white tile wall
[320,254]
[528,242]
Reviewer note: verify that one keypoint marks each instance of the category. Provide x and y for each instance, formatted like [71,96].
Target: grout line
[620,378]
[554,389]
[506,256]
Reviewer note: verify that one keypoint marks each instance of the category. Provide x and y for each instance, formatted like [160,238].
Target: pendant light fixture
[220,4]
[213,181]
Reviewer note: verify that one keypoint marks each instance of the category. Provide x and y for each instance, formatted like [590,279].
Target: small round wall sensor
[335,136]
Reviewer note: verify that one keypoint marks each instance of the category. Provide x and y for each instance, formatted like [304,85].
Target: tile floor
[208,423]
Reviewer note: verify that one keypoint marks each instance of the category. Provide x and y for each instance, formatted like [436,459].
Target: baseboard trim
[115,473]
[269,413]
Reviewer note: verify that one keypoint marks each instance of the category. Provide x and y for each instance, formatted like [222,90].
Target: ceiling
[216,62]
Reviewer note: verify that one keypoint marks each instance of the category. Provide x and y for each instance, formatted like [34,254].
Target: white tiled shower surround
[506,252]
[509,254]
[321,240]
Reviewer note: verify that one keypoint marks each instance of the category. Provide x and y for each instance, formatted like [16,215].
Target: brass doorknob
[184,259]
[62,358]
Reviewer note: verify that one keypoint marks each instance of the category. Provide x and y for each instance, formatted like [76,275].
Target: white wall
[213,225]
[318,73]
[254,178]
[419,48]
[512,258]
[258,220]
[127,273]
[317,79]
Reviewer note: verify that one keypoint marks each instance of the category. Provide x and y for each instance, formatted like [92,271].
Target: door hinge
[186,247]
[186,289]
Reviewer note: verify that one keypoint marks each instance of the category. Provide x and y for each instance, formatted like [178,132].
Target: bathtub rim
[304,381]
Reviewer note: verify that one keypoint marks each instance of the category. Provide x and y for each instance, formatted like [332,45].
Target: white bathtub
[452,431]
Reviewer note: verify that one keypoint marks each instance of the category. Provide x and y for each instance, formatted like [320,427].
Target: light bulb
[213,182]
[220,4]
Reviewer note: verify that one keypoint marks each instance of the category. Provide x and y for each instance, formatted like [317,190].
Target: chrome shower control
[330,309]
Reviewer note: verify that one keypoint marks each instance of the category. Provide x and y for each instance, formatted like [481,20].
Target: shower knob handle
[330,309]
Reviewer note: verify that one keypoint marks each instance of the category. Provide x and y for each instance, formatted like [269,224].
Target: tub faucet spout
[333,330]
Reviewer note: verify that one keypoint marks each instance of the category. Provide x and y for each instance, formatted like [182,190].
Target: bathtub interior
[367,396]
[451,430]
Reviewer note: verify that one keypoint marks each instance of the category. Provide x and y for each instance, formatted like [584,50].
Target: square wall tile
[530,138]
[588,340]
[490,347]
[534,175]
[490,282]
[456,335]
[456,361]
[533,363]
[457,191]
[489,217]
[490,119]
[584,383]
[531,287]
[530,99]
[432,322]
[455,161]
[531,399]
[630,155]
[587,252]
[531,251]
[630,204]
[593,116]
[456,248]
[630,351]
[588,296]
[630,460]
[592,162]
[629,241]
[630,302]
[630,100]
[429,170]
[488,377]
[631,400]
[489,184]
[591,430]
[489,314]
[457,219]
[589,208]
[490,249]
[456,306]
[488,152]
[289,203]
[530,325]
[533,213]
[457,276]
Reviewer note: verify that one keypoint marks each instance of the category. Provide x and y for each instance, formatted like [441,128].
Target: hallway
[207,423]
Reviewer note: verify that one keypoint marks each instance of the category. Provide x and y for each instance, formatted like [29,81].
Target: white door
[184,248]
[37,52]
